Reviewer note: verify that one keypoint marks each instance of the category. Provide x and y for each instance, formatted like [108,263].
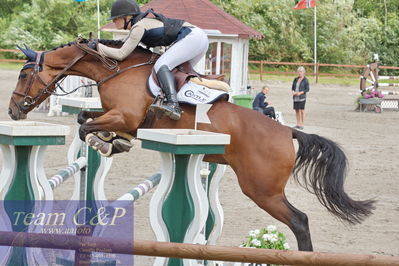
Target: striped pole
[388,84]
[388,77]
[390,92]
[67,172]
[139,190]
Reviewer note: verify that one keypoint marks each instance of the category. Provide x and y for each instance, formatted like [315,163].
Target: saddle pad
[191,93]
[212,84]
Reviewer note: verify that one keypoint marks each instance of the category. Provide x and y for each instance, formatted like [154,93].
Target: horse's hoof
[122,144]
[103,148]
[105,135]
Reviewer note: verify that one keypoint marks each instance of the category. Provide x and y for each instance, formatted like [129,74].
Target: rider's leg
[168,84]
[191,48]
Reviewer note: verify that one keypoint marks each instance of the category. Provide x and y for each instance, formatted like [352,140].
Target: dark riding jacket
[304,86]
[259,101]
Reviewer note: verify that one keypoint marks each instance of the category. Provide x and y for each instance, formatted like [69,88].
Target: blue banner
[66,219]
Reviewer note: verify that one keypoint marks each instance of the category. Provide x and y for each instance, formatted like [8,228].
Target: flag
[201,113]
[305,4]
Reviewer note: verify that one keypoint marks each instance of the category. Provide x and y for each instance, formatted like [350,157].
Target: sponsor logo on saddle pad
[191,93]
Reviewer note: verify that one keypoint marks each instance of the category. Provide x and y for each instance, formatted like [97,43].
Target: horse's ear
[28,52]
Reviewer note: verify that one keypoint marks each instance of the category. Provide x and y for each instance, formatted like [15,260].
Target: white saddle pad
[191,93]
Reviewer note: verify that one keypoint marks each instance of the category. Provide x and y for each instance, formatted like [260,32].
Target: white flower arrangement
[268,238]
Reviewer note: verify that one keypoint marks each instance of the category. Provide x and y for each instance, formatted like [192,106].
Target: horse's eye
[22,76]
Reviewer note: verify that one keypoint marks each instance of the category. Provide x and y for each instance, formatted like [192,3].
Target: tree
[349,31]
[44,24]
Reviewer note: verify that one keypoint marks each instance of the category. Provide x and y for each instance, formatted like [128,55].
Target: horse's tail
[322,164]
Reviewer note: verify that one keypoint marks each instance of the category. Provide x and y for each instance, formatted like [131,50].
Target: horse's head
[42,71]
[36,82]
[31,88]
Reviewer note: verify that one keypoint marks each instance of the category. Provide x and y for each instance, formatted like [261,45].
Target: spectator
[300,87]
[261,104]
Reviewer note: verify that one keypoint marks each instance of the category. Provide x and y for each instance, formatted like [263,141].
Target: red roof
[201,13]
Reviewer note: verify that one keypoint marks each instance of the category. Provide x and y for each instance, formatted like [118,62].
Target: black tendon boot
[168,84]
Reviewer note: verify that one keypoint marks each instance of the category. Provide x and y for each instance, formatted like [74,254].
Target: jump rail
[64,174]
[370,80]
[191,251]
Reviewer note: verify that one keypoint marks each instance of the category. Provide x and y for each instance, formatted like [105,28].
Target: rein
[29,100]
[151,61]
[108,63]
[113,64]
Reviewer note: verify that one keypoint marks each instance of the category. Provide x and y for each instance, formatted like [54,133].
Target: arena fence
[260,67]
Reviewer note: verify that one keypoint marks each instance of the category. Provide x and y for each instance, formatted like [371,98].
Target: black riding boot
[168,84]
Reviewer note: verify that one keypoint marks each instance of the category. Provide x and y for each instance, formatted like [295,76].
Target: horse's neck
[92,67]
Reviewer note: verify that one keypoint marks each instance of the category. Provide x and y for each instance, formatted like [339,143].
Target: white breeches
[191,48]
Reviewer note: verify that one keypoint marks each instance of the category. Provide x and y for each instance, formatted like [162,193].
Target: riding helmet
[122,8]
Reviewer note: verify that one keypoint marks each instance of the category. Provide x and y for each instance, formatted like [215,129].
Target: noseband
[109,64]
[34,75]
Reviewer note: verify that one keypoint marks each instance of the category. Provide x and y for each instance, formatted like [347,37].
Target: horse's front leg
[83,116]
[100,132]
[87,116]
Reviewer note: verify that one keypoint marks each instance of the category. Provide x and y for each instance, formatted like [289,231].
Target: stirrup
[172,111]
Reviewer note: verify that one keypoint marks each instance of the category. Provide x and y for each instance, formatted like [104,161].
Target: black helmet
[122,8]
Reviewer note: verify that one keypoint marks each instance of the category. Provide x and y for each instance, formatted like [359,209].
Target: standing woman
[300,87]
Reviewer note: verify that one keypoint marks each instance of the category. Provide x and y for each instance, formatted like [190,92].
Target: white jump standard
[23,178]
[179,207]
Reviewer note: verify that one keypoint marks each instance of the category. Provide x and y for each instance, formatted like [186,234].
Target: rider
[186,43]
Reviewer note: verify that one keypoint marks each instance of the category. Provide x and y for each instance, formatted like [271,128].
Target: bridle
[35,75]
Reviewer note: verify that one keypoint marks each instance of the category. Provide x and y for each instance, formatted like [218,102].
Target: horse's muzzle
[16,114]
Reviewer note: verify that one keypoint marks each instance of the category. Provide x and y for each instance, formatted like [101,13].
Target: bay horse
[261,151]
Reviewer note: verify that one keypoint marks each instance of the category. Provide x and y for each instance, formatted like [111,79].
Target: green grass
[10,66]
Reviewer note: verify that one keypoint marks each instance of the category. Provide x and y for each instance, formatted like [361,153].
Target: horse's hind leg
[279,207]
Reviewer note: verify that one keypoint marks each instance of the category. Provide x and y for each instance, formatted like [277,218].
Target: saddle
[185,73]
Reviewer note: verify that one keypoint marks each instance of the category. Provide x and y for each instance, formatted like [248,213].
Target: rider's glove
[92,44]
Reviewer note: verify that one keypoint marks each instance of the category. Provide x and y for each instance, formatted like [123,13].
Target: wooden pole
[316,71]
[191,251]
[261,70]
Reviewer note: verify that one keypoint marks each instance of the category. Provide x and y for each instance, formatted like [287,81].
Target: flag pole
[315,42]
[98,19]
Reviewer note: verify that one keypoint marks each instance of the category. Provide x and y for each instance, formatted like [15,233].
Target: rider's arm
[133,39]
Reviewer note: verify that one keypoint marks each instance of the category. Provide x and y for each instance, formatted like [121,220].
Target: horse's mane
[114,43]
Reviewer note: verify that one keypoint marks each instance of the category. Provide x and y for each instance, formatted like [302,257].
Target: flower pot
[370,101]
